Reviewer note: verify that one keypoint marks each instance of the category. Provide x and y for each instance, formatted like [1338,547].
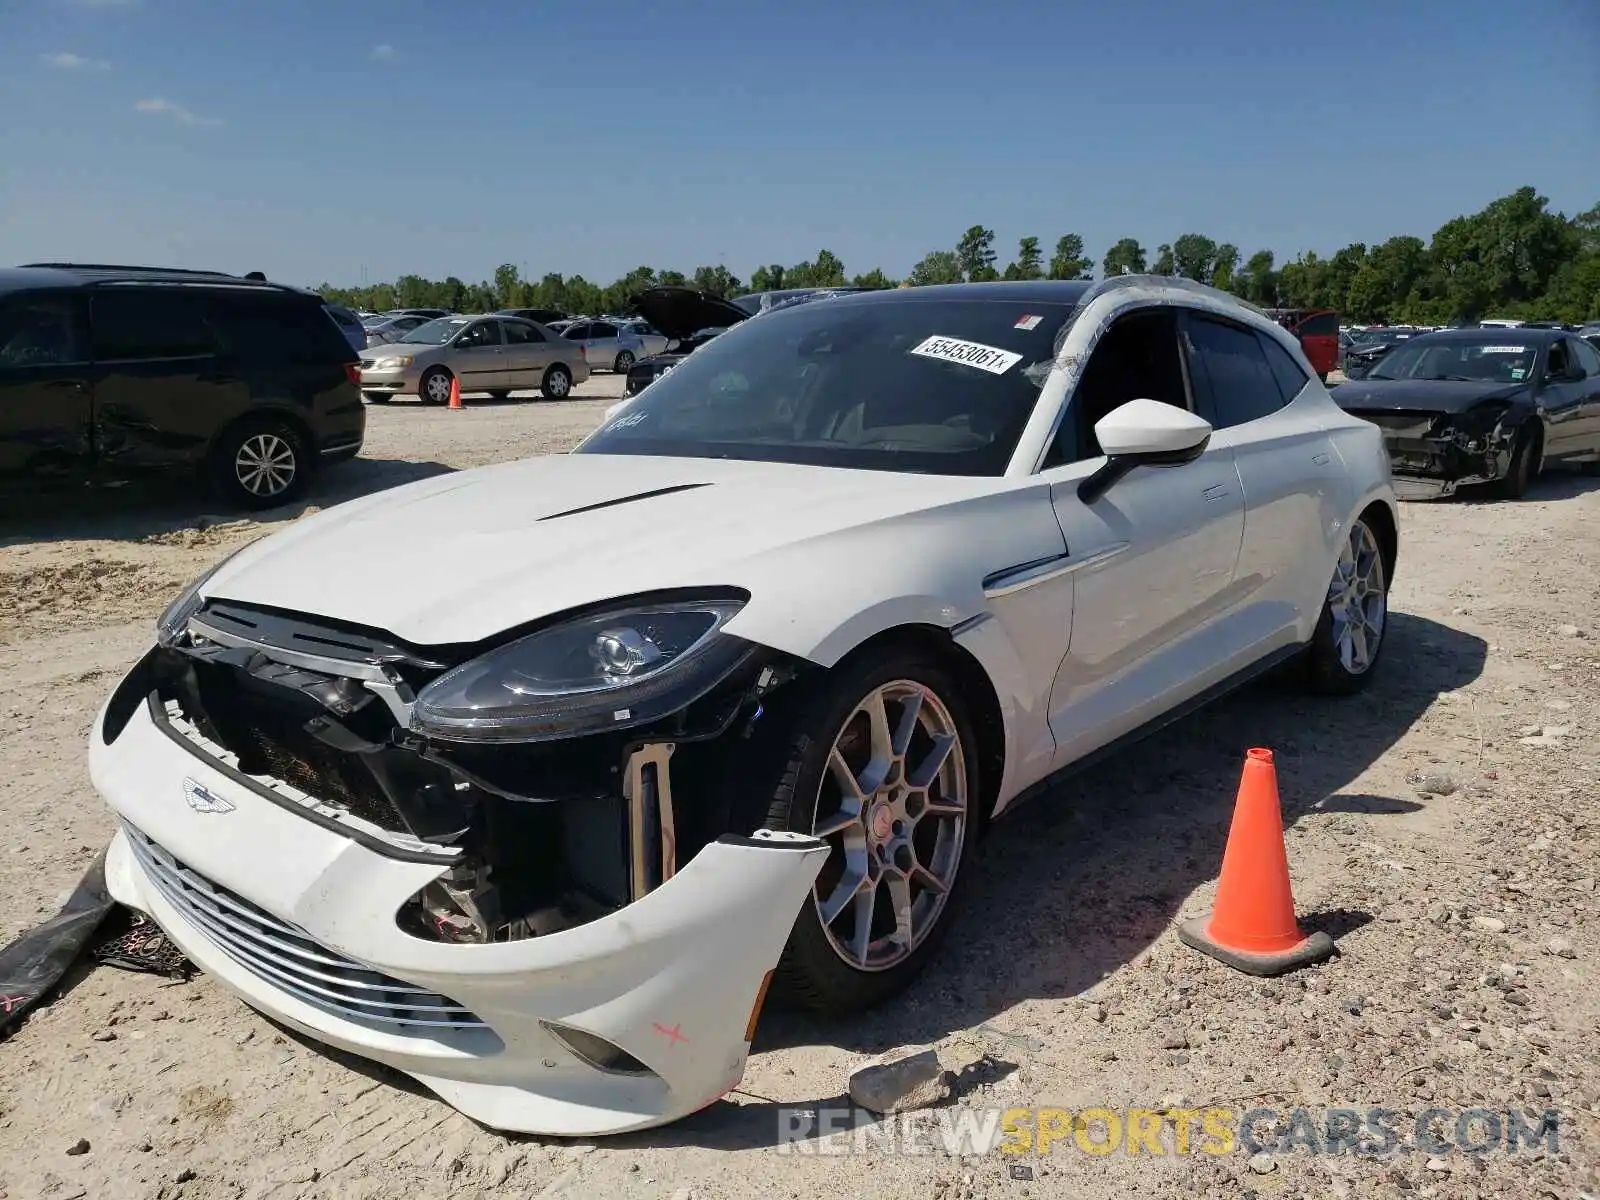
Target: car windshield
[932,386]
[1368,336]
[436,332]
[1491,359]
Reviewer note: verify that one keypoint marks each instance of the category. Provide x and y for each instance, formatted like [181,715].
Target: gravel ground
[1443,827]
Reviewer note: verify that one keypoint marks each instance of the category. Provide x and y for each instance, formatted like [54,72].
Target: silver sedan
[497,355]
[614,345]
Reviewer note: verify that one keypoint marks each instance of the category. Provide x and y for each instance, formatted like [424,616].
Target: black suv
[115,369]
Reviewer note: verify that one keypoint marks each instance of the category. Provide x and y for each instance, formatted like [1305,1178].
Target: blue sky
[324,141]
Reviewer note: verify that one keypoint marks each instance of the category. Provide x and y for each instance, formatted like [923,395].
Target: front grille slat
[289,958]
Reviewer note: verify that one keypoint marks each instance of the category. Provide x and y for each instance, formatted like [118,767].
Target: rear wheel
[879,759]
[1524,464]
[1349,635]
[624,362]
[260,463]
[435,386]
[557,383]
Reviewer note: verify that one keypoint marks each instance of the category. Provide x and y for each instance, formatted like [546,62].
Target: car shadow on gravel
[158,507]
[1083,880]
[1555,483]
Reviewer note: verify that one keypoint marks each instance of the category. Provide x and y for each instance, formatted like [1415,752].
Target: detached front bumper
[299,921]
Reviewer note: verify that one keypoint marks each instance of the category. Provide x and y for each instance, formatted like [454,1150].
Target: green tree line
[1514,258]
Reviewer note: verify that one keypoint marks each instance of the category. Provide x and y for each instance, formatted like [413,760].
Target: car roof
[1521,333]
[33,276]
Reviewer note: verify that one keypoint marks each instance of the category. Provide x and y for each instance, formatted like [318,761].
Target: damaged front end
[543,770]
[1432,454]
[521,873]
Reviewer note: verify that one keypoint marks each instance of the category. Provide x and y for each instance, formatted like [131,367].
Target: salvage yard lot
[1453,858]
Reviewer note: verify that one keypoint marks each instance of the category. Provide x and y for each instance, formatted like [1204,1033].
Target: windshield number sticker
[1502,349]
[970,354]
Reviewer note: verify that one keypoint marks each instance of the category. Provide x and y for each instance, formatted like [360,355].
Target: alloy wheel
[1358,601]
[893,805]
[265,464]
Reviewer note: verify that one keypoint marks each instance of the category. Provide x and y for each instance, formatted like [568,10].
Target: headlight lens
[610,670]
[394,364]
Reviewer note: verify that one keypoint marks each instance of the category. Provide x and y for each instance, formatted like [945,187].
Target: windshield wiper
[1454,379]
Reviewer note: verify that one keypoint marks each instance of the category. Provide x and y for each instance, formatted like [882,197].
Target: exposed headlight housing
[625,666]
[172,624]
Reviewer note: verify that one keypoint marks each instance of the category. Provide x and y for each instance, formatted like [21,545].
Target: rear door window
[519,334]
[1586,356]
[276,329]
[1239,385]
[578,332]
[602,329]
[1289,374]
[142,324]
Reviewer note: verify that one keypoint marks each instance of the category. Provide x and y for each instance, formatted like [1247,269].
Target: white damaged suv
[525,780]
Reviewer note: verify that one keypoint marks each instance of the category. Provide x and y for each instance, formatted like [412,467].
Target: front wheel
[557,383]
[1349,635]
[259,464]
[624,363]
[435,386]
[1522,468]
[879,759]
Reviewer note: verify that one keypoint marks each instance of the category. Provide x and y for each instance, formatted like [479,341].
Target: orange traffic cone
[1252,926]
[455,391]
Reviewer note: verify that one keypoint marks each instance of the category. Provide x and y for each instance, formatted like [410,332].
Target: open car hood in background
[681,312]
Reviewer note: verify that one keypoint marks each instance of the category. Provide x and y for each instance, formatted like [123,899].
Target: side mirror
[1144,433]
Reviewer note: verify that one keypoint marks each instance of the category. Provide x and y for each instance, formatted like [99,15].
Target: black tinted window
[602,329]
[1558,360]
[1290,375]
[578,332]
[1240,385]
[39,333]
[150,323]
[276,329]
[937,386]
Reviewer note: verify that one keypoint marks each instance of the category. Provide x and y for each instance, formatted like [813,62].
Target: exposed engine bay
[534,837]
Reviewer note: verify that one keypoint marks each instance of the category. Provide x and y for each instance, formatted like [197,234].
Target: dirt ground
[1444,827]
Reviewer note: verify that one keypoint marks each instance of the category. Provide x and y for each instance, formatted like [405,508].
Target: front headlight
[394,364]
[611,670]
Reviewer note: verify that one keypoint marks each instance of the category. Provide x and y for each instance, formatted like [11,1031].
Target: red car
[1318,332]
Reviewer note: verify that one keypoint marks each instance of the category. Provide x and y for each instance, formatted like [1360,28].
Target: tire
[624,362]
[788,768]
[1524,464]
[434,387]
[556,384]
[1342,659]
[260,463]
[375,397]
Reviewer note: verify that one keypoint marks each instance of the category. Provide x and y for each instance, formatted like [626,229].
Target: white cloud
[384,53]
[67,61]
[171,108]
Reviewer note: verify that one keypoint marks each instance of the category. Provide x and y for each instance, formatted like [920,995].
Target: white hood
[464,556]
